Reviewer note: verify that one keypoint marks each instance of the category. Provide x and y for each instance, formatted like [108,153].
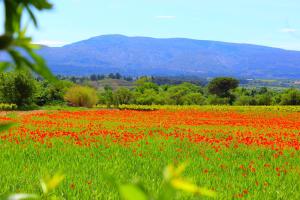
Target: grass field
[239,152]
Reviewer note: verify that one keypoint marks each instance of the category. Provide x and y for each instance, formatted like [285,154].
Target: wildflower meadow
[235,152]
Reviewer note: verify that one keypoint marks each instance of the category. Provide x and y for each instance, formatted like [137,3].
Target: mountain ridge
[171,56]
[170,38]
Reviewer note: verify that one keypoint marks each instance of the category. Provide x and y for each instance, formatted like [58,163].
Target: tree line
[27,91]
[160,80]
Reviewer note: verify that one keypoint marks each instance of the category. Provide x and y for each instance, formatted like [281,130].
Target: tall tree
[18,88]
[221,86]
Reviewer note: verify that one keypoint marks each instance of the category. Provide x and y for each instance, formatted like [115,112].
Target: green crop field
[237,152]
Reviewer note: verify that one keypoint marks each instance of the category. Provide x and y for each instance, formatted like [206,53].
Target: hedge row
[5,106]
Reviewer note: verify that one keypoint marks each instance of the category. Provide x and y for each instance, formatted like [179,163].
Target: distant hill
[171,57]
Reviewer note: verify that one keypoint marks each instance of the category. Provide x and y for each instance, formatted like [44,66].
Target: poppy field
[238,152]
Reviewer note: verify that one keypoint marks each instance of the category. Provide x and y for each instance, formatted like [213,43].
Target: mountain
[177,56]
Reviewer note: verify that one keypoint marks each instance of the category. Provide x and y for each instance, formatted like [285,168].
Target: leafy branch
[15,41]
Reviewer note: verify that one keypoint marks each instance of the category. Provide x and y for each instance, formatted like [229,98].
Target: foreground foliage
[15,41]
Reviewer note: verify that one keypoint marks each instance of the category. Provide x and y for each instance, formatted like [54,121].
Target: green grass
[88,169]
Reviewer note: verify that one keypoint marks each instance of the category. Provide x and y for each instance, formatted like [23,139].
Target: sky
[274,23]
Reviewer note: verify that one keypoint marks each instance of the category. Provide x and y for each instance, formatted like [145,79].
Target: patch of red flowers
[219,129]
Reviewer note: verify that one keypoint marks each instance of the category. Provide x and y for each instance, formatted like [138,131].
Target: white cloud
[51,43]
[165,17]
[288,30]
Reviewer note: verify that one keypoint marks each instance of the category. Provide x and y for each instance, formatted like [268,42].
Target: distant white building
[297,82]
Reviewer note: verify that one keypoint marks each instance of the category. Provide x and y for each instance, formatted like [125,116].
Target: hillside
[113,83]
[178,56]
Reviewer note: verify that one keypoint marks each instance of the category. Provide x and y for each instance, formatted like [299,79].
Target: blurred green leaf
[168,172]
[34,20]
[50,183]
[15,41]
[40,67]
[173,177]
[184,185]
[171,172]
[192,188]
[207,192]
[5,41]
[132,192]
[180,169]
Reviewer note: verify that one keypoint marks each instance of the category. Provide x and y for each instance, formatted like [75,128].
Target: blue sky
[267,22]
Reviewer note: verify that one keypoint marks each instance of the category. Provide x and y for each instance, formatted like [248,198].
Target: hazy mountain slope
[150,56]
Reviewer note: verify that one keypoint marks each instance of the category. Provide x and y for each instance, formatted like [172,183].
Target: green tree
[148,97]
[52,92]
[108,96]
[177,93]
[194,99]
[118,76]
[215,100]
[264,98]
[290,97]
[18,88]
[244,100]
[145,83]
[122,96]
[222,86]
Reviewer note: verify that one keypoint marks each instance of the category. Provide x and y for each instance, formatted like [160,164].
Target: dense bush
[215,100]
[290,97]
[4,106]
[81,96]
[244,100]
[194,99]
[264,99]
[122,96]
[148,97]
[108,96]
[52,93]
[18,88]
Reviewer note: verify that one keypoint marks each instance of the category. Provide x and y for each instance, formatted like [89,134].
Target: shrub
[5,106]
[122,96]
[244,101]
[291,97]
[138,107]
[81,96]
[264,99]
[148,97]
[215,100]
[177,92]
[193,99]
[52,93]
